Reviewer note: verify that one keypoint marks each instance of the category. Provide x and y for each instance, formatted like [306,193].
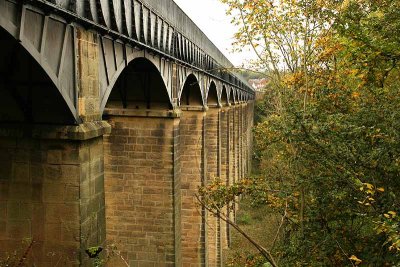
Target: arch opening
[191,92]
[224,97]
[232,97]
[140,86]
[27,94]
[212,99]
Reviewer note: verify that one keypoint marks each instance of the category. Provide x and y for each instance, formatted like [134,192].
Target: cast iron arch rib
[134,22]
[224,96]
[212,96]
[29,86]
[115,57]
[191,94]
[232,97]
[48,40]
[139,86]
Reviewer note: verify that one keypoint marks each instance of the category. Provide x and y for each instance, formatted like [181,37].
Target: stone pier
[213,169]
[143,195]
[193,175]
[52,192]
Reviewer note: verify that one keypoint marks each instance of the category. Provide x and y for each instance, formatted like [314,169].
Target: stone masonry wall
[245,139]
[224,172]
[239,140]
[143,190]
[232,156]
[88,75]
[51,194]
[242,141]
[192,164]
[250,118]
[212,157]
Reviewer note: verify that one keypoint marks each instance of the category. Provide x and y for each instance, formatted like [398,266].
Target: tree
[329,143]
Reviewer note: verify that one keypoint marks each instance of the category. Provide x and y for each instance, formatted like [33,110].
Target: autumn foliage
[328,139]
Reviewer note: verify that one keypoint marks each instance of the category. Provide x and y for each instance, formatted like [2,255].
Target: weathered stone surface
[52,176]
[44,199]
[192,176]
[143,189]
[212,149]
[88,75]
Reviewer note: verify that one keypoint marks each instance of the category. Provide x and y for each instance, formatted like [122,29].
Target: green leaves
[330,126]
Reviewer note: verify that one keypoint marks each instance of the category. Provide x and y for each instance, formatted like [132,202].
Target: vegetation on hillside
[327,139]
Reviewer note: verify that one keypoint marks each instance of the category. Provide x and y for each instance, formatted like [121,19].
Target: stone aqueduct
[112,114]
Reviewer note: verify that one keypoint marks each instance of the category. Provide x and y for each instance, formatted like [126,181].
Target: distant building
[259,84]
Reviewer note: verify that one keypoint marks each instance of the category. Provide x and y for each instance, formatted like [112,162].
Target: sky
[210,17]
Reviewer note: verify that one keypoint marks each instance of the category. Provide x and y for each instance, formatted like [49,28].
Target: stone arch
[224,96]
[139,86]
[30,89]
[191,94]
[212,95]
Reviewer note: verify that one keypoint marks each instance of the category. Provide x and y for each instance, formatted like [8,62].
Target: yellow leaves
[356,260]
[367,204]
[390,215]
[395,246]
[294,79]
[369,186]
[320,3]
[376,15]
[355,95]
[370,191]
[345,4]
[393,213]
[351,72]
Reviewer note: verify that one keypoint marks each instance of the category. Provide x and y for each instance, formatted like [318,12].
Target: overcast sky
[210,17]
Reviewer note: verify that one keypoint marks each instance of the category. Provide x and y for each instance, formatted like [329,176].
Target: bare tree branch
[217,212]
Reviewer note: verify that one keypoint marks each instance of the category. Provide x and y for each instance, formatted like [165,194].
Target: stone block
[4,190]
[54,156]
[3,230]
[99,184]
[52,172]
[84,172]
[84,190]
[71,173]
[84,154]
[72,156]
[36,172]
[6,170]
[20,191]
[22,172]
[53,232]
[10,142]
[71,193]
[19,229]
[54,192]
